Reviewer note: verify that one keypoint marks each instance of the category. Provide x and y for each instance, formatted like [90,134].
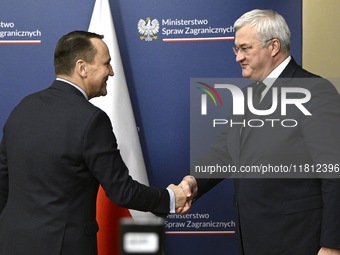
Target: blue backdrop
[158,73]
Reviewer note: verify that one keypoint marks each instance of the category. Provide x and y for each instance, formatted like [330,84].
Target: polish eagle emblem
[148,29]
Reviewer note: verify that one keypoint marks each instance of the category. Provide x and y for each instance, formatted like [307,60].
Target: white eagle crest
[148,29]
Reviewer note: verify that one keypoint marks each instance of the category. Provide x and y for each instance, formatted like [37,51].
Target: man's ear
[276,47]
[81,68]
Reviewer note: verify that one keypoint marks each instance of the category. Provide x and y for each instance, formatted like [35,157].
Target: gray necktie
[258,93]
[260,87]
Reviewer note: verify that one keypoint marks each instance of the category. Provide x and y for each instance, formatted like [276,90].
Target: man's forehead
[246,34]
[100,45]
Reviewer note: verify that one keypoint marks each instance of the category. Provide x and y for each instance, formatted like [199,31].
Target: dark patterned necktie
[260,87]
[257,94]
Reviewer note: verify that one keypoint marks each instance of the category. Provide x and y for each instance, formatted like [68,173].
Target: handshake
[185,192]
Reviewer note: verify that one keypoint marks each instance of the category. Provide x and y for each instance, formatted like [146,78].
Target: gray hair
[268,24]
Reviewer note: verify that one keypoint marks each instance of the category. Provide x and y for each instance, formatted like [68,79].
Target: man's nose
[111,73]
[239,56]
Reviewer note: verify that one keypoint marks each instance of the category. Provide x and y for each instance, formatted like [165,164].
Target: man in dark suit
[286,216]
[56,150]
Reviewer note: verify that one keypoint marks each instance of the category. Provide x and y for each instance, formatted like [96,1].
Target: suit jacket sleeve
[322,138]
[3,176]
[217,154]
[104,161]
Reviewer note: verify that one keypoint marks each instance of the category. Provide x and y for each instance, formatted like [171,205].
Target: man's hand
[328,251]
[189,187]
[185,192]
[181,204]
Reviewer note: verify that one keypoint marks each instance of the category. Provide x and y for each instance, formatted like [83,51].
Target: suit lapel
[233,138]
[266,102]
[290,69]
[247,129]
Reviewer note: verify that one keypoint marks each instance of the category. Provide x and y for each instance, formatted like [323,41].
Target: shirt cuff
[172,201]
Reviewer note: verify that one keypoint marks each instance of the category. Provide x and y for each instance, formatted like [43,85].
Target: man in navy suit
[286,216]
[55,151]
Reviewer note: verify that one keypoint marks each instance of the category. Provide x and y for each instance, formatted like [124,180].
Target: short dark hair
[72,47]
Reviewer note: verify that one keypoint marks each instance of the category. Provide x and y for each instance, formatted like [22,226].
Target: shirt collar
[74,85]
[270,79]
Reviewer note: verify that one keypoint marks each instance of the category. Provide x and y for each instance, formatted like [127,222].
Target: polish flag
[118,107]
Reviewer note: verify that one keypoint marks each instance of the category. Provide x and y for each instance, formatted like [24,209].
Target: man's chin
[247,75]
[104,93]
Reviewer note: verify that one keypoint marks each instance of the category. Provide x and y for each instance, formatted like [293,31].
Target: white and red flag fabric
[117,105]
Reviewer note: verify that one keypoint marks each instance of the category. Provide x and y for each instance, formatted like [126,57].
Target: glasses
[245,49]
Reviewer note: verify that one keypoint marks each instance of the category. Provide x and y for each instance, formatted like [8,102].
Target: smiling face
[258,61]
[98,71]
